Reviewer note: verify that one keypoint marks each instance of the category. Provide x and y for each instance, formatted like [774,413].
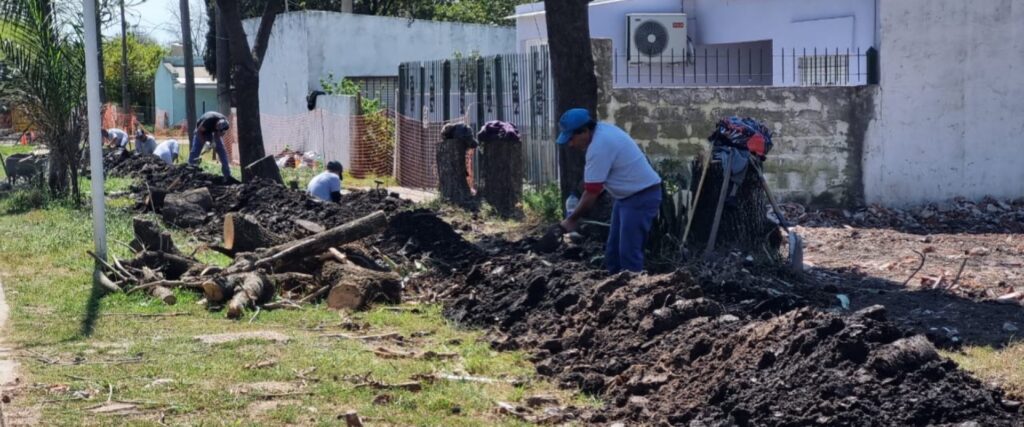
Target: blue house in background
[169,90]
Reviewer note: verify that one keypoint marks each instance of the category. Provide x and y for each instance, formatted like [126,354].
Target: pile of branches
[325,265]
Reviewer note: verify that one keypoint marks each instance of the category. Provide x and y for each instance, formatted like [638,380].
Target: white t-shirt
[321,186]
[167,150]
[613,158]
[118,136]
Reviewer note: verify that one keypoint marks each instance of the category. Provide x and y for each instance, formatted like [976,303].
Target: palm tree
[41,44]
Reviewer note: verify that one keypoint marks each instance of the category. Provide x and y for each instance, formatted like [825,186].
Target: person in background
[117,138]
[327,185]
[211,127]
[144,143]
[167,151]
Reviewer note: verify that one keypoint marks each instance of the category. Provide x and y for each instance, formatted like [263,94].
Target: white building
[760,41]
[308,46]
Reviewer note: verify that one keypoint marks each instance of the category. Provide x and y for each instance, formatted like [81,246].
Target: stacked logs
[268,272]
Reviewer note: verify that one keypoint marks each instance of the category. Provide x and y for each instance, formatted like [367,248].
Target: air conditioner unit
[656,36]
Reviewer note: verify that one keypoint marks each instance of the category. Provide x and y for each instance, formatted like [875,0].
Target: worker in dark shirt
[211,127]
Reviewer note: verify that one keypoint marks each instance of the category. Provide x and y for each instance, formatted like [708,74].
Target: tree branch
[259,47]
[237,42]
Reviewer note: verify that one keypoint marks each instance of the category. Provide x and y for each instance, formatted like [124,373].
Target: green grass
[1002,366]
[54,318]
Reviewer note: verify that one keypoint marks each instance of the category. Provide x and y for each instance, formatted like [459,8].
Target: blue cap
[571,121]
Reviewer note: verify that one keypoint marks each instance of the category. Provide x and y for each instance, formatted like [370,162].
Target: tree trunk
[242,233]
[149,237]
[355,288]
[744,224]
[99,54]
[252,289]
[163,294]
[265,168]
[451,170]
[190,78]
[246,79]
[125,101]
[572,67]
[502,169]
[187,209]
[223,61]
[316,244]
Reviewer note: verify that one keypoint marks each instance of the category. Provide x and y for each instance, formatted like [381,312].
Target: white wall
[306,46]
[325,130]
[952,101]
[607,20]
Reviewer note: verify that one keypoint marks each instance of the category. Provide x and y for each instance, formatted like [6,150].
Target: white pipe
[92,90]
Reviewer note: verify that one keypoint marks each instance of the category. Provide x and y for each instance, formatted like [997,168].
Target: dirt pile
[957,215]
[420,233]
[717,350]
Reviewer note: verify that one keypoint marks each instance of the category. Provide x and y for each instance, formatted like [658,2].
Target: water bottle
[571,203]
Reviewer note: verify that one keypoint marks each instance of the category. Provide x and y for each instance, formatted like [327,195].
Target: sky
[153,17]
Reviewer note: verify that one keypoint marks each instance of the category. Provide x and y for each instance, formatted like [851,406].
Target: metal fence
[382,88]
[747,66]
[516,88]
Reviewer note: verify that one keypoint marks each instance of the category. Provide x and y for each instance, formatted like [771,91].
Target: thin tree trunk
[223,60]
[572,66]
[99,41]
[125,101]
[190,78]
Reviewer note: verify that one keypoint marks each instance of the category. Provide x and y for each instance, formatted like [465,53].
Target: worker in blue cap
[614,163]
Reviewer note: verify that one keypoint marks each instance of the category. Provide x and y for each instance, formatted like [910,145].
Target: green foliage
[665,244]
[144,56]
[378,124]
[543,203]
[476,11]
[42,47]
[23,200]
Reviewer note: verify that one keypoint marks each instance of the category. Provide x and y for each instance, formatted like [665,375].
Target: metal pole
[92,80]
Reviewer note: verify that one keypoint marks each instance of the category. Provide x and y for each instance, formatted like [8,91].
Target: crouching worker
[327,185]
[116,138]
[614,163]
[211,127]
[167,151]
[144,143]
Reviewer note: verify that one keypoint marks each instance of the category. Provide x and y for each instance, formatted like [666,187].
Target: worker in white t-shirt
[144,143]
[327,185]
[614,163]
[167,151]
[117,138]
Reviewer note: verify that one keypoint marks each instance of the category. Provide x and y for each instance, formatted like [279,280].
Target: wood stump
[187,209]
[502,173]
[744,224]
[265,168]
[243,233]
[452,174]
[355,288]
[150,237]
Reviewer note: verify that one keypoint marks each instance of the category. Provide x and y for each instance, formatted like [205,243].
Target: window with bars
[824,70]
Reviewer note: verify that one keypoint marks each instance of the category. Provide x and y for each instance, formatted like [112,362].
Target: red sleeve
[593,187]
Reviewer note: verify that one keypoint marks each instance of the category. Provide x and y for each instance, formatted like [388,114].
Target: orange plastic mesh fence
[416,154]
[373,144]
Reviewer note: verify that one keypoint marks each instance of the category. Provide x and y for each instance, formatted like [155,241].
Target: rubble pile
[672,349]
[958,215]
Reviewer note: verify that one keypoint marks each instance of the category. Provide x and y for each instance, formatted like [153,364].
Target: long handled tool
[722,194]
[796,244]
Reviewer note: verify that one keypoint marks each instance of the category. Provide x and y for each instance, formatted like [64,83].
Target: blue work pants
[218,144]
[632,218]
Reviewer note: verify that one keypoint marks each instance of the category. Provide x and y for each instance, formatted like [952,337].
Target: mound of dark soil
[670,349]
[421,233]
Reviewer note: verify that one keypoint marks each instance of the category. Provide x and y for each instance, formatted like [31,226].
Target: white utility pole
[92,91]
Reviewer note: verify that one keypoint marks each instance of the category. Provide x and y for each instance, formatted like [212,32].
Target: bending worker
[167,151]
[117,138]
[614,163]
[210,128]
[144,143]
[327,185]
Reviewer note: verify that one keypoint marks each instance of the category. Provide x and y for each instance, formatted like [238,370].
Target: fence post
[499,88]
[874,68]
[423,94]
[402,72]
[479,92]
[446,89]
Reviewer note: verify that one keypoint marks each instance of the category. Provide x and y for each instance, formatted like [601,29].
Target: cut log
[452,173]
[265,168]
[252,290]
[172,266]
[242,233]
[106,286]
[150,237]
[291,281]
[163,294]
[187,209]
[501,170]
[316,244]
[217,291]
[309,226]
[355,288]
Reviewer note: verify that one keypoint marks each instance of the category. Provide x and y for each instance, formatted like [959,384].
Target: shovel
[796,244]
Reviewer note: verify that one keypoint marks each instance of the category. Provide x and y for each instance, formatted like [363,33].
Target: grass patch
[1003,366]
[544,203]
[74,348]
